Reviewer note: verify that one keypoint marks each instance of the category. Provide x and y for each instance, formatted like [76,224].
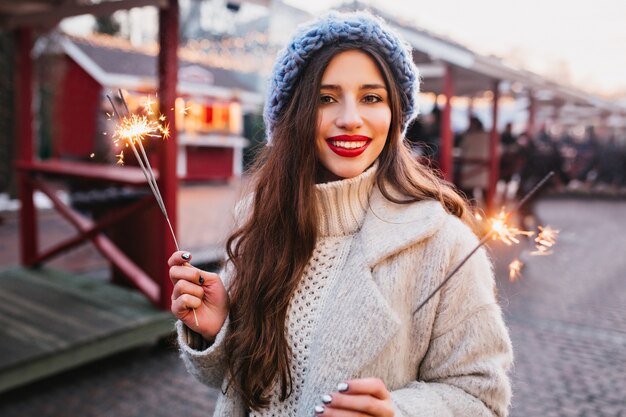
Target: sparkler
[131,131]
[499,230]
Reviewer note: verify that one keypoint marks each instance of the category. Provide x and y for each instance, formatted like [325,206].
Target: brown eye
[372,98]
[325,99]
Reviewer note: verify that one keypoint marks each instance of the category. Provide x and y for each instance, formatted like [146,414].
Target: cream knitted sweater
[342,206]
[449,359]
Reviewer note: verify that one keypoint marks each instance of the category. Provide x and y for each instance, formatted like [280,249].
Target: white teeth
[348,145]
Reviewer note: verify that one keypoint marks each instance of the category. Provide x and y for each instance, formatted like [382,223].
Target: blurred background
[510,92]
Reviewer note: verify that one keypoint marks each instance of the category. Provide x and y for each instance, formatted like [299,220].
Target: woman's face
[354,115]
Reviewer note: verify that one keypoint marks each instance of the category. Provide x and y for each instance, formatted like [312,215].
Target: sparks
[545,240]
[515,268]
[91,155]
[148,105]
[120,158]
[165,131]
[502,231]
[135,128]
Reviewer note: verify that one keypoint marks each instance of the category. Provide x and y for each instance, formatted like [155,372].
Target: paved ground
[567,318]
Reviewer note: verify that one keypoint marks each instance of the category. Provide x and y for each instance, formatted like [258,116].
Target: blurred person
[508,146]
[587,157]
[432,134]
[611,167]
[542,155]
[343,237]
[474,163]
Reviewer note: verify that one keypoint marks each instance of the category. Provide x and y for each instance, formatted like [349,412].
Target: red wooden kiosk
[34,174]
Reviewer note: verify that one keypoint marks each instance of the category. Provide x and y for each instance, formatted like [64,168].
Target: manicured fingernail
[201,280]
[319,409]
[186,256]
[326,399]
[342,387]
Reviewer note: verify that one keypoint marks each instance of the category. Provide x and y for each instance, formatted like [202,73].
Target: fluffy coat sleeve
[206,360]
[464,371]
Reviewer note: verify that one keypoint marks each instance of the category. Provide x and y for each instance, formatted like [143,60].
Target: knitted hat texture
[334,29]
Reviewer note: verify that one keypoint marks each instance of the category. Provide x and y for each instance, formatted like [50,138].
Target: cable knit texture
[451,358]
[340,28]
[342,206]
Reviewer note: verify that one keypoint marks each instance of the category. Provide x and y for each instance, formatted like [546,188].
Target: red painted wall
[77,110]
[208,163]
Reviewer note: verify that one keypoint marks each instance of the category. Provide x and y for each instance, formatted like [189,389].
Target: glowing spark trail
[545,240]
[514,270]
[501,231]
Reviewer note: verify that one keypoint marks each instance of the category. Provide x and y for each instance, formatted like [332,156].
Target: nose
[349,117]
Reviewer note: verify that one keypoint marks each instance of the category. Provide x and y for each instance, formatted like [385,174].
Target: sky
[581,42]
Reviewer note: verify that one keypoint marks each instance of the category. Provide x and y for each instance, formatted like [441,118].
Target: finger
[185,287]
[326,411]
[186,273]
[370,386]
[366,404]
[179,258]
[184,303]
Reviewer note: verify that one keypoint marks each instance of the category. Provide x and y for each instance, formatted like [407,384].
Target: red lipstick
[335,145]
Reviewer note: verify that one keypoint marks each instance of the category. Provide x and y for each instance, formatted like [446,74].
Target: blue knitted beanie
[336,28]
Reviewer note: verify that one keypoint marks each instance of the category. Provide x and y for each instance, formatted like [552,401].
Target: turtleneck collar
[342,204]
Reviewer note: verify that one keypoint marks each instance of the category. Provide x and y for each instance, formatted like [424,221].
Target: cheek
[323,118]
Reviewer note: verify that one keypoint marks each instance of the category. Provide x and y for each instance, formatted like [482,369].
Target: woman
[341,240]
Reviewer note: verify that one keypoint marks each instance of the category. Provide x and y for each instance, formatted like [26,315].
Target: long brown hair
[272,247]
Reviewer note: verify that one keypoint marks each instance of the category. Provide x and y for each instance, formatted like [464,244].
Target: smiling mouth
[348,146]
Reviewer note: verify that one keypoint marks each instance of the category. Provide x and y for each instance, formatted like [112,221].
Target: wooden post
[445,155]
[168,74]
[494,151]
[532,109]
[24,135]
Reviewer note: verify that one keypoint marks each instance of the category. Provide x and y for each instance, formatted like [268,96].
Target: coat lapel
[356,322]
[389,228]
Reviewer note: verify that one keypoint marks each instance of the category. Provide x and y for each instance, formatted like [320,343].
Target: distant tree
[107,25]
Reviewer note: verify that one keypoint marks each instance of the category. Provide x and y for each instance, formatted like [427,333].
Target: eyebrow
[362,87]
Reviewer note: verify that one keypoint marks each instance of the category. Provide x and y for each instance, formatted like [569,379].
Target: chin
[348,171]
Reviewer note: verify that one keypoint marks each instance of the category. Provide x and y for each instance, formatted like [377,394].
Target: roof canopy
[475,73]
[19,13]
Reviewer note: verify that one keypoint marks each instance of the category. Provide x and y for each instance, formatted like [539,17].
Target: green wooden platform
[51,321]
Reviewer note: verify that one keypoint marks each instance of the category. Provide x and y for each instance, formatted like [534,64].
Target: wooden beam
[532,110]
[445,149]
[168,182]
[103,224]
[56,13]
[24,133]
[109,250]
[494,151]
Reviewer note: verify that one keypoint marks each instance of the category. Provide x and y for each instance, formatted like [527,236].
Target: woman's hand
[199,290]
[357,398]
